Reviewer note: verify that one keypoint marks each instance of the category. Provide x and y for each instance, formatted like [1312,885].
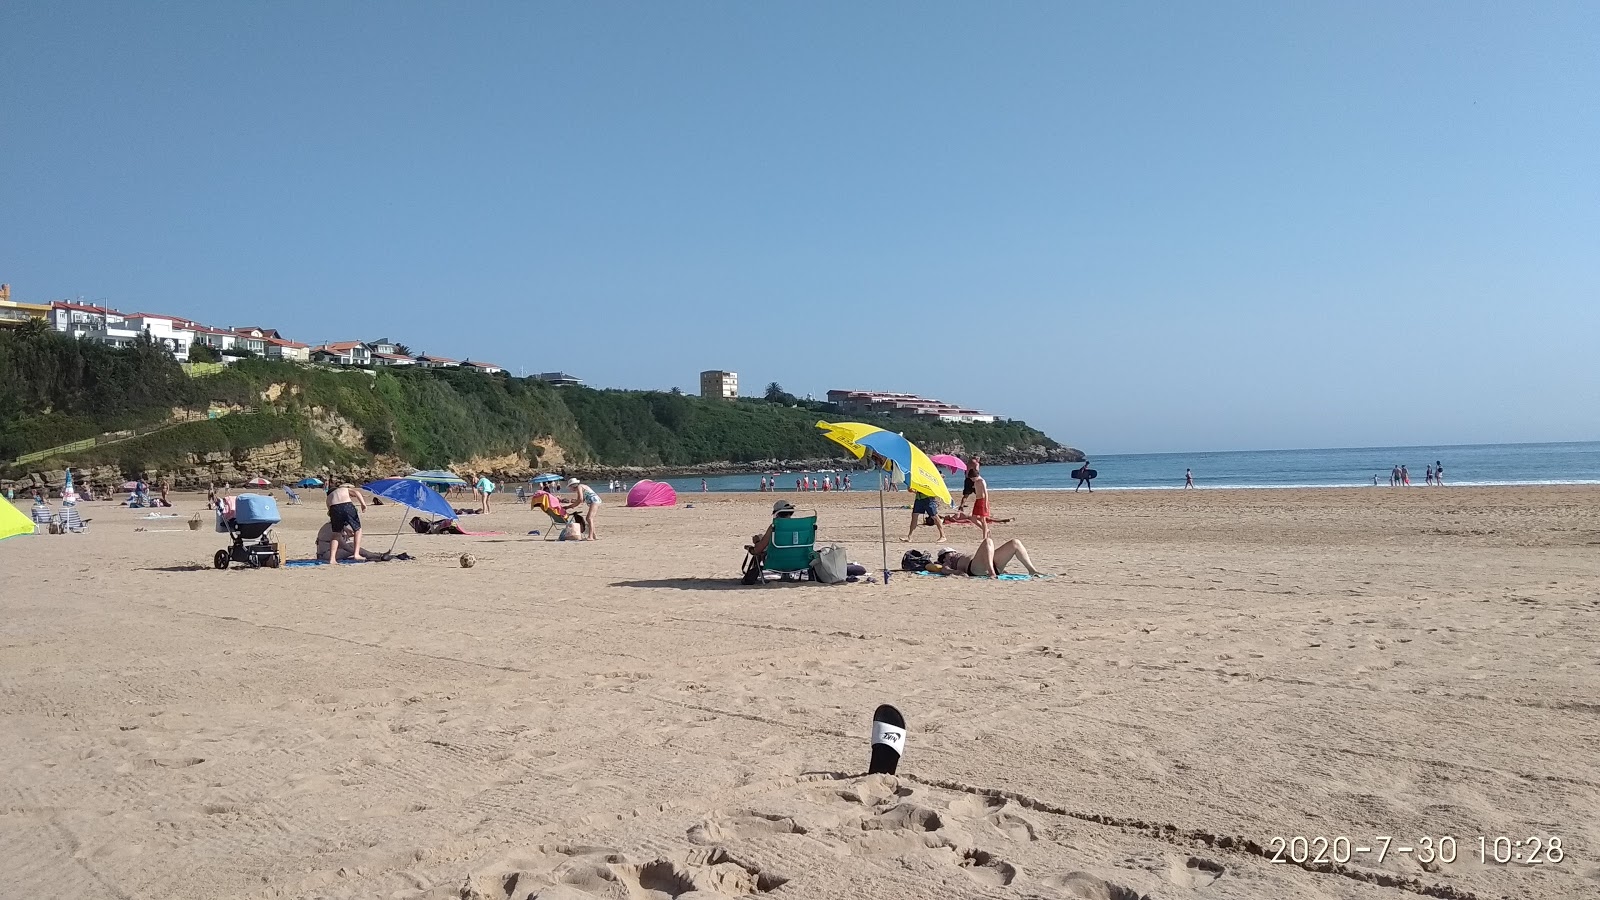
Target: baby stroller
[249,517]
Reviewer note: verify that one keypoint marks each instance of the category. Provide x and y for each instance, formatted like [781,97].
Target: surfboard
[1082,473]
[888,740]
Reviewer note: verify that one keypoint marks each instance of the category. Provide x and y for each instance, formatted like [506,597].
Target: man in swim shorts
[342,513]
[926,509]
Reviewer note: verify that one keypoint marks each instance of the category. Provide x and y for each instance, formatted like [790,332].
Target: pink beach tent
[652,493]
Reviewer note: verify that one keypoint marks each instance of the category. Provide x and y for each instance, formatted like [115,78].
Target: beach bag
[829,565]
[915,561]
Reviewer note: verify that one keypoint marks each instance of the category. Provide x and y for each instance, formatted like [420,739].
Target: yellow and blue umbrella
[896,455]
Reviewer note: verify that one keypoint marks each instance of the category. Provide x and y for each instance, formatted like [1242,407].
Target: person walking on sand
[583,495]
[342,514]
[1394,477]
[925,508]
[1427,477]
[1083,477]
[1438,474]
[1405,477]
[1188,479]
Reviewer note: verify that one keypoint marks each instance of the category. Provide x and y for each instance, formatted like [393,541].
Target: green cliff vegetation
[55,390]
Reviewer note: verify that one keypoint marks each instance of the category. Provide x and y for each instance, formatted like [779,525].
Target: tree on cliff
[776,394]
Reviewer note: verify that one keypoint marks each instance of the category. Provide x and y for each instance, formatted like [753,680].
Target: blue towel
[302,563]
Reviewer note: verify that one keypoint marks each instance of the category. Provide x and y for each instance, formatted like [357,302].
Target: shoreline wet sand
[1206,671]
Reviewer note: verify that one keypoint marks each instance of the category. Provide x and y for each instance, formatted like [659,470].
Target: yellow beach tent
[12,521]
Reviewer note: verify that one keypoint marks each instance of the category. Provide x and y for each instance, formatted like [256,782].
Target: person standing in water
[1188,479]
[1405,476]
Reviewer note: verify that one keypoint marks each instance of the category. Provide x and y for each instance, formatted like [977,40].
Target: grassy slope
[54,390]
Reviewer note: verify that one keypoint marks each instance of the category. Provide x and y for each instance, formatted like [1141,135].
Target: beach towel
[303,563]
[1016,577]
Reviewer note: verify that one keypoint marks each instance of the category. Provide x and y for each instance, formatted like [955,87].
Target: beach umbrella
[130,485]
[411,493]
[897,456]
[12,521]
[258,481]
[311,481]
[948,461]
[438,477]
[545,479]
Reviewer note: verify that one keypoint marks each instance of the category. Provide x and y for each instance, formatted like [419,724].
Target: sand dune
[620,719]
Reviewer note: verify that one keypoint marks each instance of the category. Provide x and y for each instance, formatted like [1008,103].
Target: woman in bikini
[988,560]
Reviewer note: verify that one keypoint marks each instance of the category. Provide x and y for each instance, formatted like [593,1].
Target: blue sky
[1224,226]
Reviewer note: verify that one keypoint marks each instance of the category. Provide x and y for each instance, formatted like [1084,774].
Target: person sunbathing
[757,548]
[988,560]
[345,545]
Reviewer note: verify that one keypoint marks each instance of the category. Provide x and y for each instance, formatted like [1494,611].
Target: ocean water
[1467,465]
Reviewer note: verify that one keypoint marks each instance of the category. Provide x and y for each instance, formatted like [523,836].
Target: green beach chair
[793,541]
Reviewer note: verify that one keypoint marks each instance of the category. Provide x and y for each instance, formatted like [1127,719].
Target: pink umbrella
[258,481]
[948,461]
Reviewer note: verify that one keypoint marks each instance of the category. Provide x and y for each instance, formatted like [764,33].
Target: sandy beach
[1207,671]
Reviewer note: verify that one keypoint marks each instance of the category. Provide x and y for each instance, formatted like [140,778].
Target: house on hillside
[174,334]
[343,353]
[88,322]
[385,346]
[483,367]
[437,362]
[216,338]
[390,359]
[13,313]
[254,339]
[560,379]
[288,351]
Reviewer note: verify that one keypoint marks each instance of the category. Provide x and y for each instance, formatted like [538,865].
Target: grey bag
[829,564]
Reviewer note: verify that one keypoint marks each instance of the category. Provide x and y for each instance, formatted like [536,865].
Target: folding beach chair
[71,520]
[559,518]
[789,553]
[294,499]
[43,514]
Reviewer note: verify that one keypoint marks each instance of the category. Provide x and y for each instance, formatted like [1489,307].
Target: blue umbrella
[310,482]
[545,479]
[414,494]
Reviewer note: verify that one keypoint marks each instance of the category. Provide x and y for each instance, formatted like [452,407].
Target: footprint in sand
[1083,886]
[1195,872]
[725,826]
[596,872]
[988,869]
[976,806]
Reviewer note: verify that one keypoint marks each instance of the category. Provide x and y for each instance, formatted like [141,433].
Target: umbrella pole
[397,528]
[883,530]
